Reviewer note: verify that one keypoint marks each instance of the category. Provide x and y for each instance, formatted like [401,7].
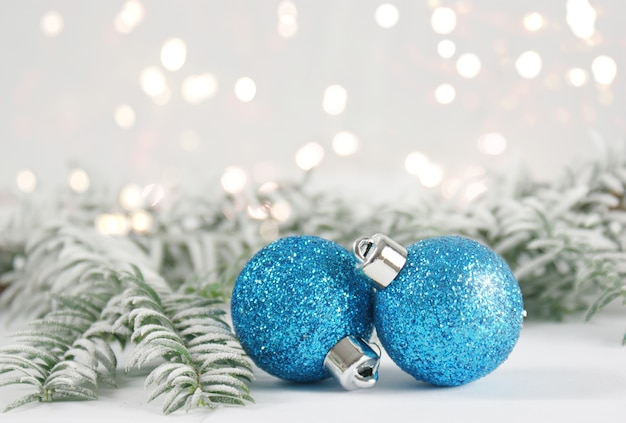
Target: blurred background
[207,96]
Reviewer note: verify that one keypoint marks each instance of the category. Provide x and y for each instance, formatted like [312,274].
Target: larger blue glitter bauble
[453,313]
[294,300]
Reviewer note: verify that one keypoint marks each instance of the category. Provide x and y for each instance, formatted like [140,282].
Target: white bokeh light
[287,19]
[492,143]
[415,162]
[197,88]
[386,15]
[604,70]
[309,156]
[114,224]
[281,211]
[431,175]
[173,54]
[468,65]
[445,94]
[245,89]
[141,221]
[446,48]
[474,190]
[129,17]
[124,116]
[581,18]
[131,197]
[152,81]
[443,20]
[345,143]
[258,211]
[577,77]
[533,21]
[51,24]
[234,180]
[26,181]
[78,180]
[335,98]
[529,64]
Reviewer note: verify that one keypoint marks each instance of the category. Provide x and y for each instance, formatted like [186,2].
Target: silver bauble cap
[381,258]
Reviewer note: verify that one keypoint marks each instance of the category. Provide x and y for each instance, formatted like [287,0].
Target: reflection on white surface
[335,97]
[124,116]
[533,21]
[26,181]
[173,54]
[604,70]
[386,15]
[445,94]
[309,156]
[528,64]
[51,24]
[245,89]
[443,20]
[581,18]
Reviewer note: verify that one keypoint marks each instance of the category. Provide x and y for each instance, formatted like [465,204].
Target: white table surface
[558,372]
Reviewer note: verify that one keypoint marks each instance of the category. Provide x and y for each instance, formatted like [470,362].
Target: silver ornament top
[353,363]
[381,258]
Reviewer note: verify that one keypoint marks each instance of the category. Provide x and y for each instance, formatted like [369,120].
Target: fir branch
[56,356]
[204,365]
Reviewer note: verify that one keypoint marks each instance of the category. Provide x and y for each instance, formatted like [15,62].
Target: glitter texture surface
[294,300]
[453,314]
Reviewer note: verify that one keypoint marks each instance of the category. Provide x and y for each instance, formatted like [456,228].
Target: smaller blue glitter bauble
[294,300]
[453,314]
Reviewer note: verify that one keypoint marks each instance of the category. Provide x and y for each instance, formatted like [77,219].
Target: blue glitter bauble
[294,300]
[453,313]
